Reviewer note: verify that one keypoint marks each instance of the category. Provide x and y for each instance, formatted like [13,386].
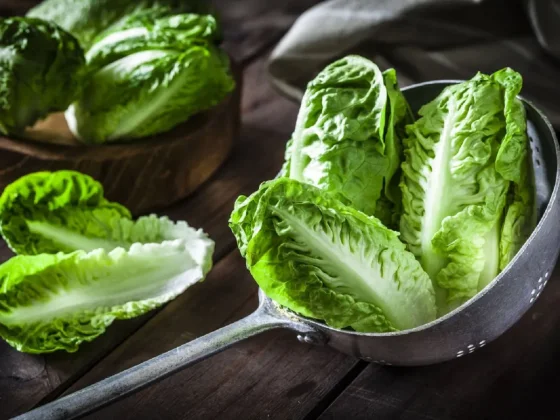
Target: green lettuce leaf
[40,71]
[520,217]
[389,205]
[167,32]
[65,211]
[460,157]
[346,140]
[325,260]
[514,163]
[58,301]
[146,80]
[86,19]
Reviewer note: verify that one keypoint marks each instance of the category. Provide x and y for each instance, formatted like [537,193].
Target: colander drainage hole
[471,348]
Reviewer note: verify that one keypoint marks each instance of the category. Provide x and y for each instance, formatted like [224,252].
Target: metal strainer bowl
[456,334]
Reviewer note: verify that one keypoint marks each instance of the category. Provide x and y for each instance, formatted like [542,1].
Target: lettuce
[520,217]
[462,157]
[146,78]
[143,32]
[83,262]
[41,71]
[50,212]
[347,138]
[54,302]
[325,260]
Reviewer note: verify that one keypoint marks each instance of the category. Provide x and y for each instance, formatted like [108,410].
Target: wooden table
[273,375]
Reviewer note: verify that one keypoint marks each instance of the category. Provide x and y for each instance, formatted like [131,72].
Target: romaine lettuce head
[65,211]
[146,80]
[347,138]
[86,19]
[40,71]
[325,260]
[461,158]
[56,302]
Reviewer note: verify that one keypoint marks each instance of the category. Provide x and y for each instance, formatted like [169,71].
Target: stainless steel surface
[461,332]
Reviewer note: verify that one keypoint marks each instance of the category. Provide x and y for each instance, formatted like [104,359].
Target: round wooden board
[146,175]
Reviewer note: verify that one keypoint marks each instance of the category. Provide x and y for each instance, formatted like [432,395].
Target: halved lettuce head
[325,260]
[145,79]
[83,262]
[348,134]
[463,156]
[41,70]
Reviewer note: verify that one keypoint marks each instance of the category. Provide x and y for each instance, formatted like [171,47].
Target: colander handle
[118,386]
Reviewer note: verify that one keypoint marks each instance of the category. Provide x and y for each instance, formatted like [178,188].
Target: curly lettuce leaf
[54,302]
[167,32]
[520,217]
[65,211]
[389,205]
[40,71]
[514,163]
[460,157]
[322,259]
[346,140]
[45,204]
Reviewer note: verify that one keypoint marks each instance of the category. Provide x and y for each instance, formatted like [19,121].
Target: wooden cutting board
[146,175]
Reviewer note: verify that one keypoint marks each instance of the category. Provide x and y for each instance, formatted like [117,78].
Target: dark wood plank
[269,376]
[514,377]
[26,380]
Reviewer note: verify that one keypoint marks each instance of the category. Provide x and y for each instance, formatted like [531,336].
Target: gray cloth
[428,40]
